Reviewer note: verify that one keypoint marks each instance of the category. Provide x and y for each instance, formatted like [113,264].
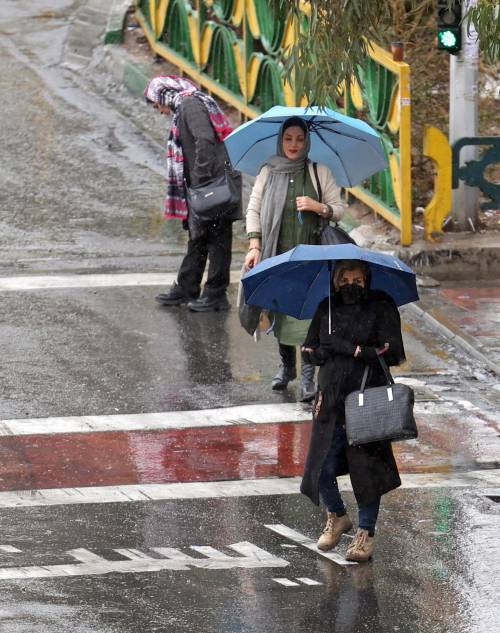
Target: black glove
[333,344]
[316,357]
[368,354]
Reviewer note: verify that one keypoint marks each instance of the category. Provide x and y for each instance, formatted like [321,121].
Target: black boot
[176,296]
[307,386]
[209,304]
[287,370]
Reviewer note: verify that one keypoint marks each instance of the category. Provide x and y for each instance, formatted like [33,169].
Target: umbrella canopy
[349,147]
[296,282]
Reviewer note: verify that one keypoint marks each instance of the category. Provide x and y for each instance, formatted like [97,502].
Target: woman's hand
[313,356]
[253,256]
[305,203]
[383,349]
[368,353]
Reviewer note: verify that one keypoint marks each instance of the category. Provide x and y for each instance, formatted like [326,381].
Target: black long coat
[372,467]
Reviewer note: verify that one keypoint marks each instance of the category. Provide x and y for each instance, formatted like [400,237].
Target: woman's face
[294,140]
[354,276]
[162,109]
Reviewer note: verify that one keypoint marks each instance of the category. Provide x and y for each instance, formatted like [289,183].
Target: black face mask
[351,293]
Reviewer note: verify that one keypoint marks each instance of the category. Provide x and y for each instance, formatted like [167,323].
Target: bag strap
[365,376]
[385,368]
[323,223]
[318,184]
[387,373]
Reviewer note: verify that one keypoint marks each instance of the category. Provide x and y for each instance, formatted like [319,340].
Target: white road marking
[308,543]
[483,480]
[251,557]
[309,581]
[227,416]
[149,492]
[90,564]
[54,282]
[286,582]
[133,554]
[9,549]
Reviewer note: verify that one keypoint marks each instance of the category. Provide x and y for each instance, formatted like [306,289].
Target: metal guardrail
[473,172]
[233,49]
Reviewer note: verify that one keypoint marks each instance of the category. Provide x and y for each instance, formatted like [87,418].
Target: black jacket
[372,323]
[205,155]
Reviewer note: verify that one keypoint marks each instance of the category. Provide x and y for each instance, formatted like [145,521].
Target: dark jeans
[215,244]
[329,490]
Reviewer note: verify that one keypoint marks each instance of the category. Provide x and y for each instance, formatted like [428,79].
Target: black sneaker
[209,304]
[174,297]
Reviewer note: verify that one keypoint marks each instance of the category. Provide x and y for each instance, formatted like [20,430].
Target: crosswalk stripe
[308,543]
[226,416]
[486,480]
[53,282]
[309,581]
[286,582]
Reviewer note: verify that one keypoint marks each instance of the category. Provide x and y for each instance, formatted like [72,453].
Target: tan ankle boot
[361,548]
[334,528]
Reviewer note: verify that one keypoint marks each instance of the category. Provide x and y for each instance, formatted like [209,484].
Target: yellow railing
[390,112]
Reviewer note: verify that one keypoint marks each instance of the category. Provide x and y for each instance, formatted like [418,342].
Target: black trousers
[215,243]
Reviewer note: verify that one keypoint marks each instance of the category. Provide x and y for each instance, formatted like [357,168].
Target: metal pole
[464,75]
[329,296]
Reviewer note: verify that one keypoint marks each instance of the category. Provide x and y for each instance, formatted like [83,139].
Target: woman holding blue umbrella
[290,202]
[350,330]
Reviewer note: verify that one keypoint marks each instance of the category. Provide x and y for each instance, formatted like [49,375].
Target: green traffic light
[448,39]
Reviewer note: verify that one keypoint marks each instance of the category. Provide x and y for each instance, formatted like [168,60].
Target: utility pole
[464,85]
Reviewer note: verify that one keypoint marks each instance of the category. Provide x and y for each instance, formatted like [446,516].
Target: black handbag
[380,413]
[216,199]
[249,316]
[330,235]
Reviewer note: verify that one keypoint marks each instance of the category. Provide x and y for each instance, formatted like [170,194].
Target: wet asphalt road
[80,187]
[429,574]
[81,190]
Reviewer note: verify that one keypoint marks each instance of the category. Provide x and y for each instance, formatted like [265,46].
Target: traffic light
[449,20]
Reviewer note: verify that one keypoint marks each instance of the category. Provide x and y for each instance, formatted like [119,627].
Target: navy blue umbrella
[296,282]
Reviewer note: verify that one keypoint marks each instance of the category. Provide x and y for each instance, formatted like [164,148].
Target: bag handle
[385,368]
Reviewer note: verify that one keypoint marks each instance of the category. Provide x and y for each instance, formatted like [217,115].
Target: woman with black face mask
[349,331]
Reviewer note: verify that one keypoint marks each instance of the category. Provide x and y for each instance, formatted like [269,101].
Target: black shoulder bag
[330,235]
[216,199]
[380,413]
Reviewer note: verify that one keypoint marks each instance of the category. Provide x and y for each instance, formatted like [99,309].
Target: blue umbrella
[296,282]
[349,147]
